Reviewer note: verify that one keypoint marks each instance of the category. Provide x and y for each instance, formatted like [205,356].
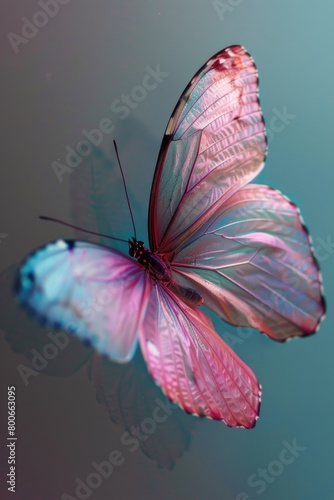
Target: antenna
[125,189]
[52,219]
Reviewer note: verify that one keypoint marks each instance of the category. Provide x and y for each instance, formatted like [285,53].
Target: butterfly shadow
[129,395]
[97,196]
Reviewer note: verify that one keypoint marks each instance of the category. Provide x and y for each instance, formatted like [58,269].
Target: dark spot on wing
[87,342]
[70,244]
[31,277]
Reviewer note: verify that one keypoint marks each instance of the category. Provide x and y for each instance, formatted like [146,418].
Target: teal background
[62,81]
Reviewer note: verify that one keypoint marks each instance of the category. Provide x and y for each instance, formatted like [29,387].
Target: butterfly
[239,249]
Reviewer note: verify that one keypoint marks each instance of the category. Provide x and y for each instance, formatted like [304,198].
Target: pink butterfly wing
[193,365]
[214,144]
[254,265]
[245,250]
[95,292]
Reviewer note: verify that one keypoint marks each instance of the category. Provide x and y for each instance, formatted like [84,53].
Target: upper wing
[254,265]
[193,365]
[97,293]
[214,144]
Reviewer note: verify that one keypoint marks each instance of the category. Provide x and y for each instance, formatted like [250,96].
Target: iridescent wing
[254,265]
[213,145]
[95,292]
[193,365]
[265,277]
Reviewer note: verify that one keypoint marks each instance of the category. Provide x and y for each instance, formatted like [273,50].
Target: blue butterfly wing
[95,292]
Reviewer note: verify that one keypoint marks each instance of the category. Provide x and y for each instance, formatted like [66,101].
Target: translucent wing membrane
[214,144]
[193,365]
[95,292]
[131,397]
[254,265]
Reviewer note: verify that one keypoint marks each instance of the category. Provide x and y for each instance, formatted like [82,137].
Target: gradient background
[62,81]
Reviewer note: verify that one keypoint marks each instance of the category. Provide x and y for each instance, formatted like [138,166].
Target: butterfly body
[155,265]
[240,249]
[160,272]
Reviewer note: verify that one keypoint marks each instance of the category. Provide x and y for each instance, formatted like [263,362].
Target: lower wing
[254,265]
[193,365]
[95,292]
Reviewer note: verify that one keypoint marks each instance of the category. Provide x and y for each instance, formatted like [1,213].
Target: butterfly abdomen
[161,273]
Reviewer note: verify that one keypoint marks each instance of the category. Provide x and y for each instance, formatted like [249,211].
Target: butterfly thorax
[160,272]
[157,268]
